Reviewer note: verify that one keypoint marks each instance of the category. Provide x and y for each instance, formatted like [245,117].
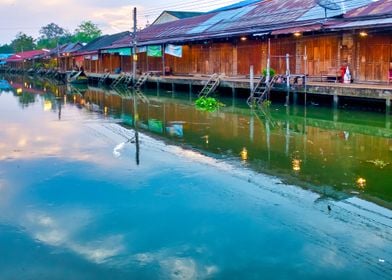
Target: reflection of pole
[137,147]
[252,126]
[268,134]
[59,110]
[135,118]
[287,136]
[305,134]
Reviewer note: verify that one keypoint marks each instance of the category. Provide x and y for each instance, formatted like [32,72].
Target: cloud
[50,229]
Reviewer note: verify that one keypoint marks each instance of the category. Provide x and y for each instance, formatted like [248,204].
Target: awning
[295,29]
[120,51]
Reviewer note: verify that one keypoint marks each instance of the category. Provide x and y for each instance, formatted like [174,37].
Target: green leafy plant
[208,104]
[266,103]
[271,72]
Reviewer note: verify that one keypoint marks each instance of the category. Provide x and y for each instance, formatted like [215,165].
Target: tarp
[141,49]
[120,51]
[155,51]
[173,50]
[155,126]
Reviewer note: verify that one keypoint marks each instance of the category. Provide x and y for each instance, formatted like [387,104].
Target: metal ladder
[128,79]
[139,94]
[104,78]
[118,80]
[211,85]
[142,79]
[259,93]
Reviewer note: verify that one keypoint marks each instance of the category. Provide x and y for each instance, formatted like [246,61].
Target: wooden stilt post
[163,60]
[251,78]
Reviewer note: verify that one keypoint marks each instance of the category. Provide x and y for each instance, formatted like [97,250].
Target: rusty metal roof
[364,24]
[261,17]
[268,15]
[27,55]
[381,7]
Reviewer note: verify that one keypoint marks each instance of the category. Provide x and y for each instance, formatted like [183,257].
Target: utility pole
[134,55]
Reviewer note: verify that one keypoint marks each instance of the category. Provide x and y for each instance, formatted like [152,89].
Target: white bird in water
[118,149]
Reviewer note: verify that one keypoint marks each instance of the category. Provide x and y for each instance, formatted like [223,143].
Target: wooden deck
[355,90]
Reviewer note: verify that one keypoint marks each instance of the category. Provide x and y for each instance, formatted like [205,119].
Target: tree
[6,49]
[51,35]
[86,32]
[23,42]
[51,31]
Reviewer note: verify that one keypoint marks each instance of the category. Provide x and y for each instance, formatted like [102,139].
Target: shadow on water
[334,152]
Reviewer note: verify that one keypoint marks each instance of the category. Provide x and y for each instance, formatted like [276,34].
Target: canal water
[108,184]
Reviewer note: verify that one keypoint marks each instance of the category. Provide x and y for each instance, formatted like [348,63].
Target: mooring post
[251,78]
[288,70]
[388,114]
[190,87]
[335,101]
[295,97]
[252,127]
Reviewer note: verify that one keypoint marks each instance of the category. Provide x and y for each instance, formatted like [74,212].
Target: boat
[78,78]
[5,85]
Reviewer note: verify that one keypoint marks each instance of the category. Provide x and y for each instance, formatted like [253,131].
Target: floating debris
[378,163]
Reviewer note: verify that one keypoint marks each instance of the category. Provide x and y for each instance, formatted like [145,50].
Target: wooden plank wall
[278,49]
[369,58]
[126,63]
[322,54]
[375,57]
[250,53]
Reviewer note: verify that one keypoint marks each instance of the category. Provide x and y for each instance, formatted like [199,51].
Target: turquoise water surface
[103,185]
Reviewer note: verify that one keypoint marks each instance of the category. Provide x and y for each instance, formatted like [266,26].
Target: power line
[191,4]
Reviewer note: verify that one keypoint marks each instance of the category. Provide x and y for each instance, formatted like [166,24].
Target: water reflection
[181,214]
[321,146]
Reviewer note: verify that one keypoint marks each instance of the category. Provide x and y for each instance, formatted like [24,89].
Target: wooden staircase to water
[210,86]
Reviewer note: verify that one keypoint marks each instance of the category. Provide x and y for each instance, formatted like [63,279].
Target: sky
[114,16]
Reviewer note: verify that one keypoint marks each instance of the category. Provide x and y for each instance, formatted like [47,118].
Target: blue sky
[111,16]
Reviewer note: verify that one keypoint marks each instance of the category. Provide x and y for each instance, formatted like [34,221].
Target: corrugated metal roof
[378,8]
[237,5]
[268,15]
[26,55]
[181,15]
[291,30]
[383,22]
[102,42]
[344,7]
[72,47]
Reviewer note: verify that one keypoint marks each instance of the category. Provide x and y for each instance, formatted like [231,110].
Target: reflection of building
[312,145]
